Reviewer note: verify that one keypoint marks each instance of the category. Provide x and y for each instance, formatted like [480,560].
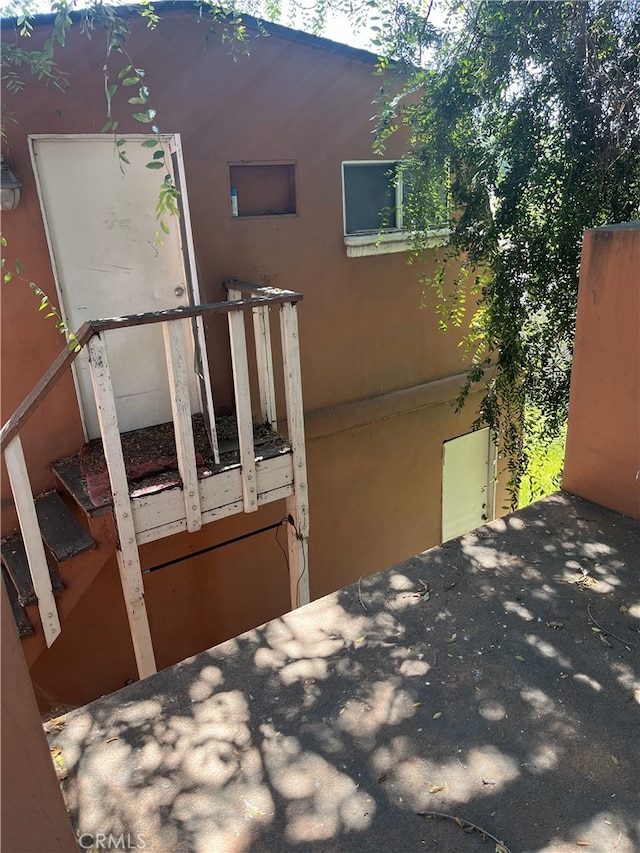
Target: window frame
[383,240]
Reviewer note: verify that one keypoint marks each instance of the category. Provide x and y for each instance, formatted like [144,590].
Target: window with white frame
[374,194]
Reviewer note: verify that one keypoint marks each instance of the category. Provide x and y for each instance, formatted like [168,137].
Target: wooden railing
[243,298]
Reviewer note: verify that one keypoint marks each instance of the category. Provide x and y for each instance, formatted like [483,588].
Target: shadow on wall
[472,680]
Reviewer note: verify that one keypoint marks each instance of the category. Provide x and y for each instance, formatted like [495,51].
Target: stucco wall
[34,817]
[603,439]
[375,367]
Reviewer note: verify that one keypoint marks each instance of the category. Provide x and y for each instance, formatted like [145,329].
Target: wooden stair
[64,537]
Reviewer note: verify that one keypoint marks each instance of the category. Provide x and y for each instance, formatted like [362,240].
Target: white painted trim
[244,415]
[175,145]
[295,411]
[127,550]
[387,242]
[492,487]
[31,138]
[36,557]
[298,503]
[264,359]
[174,332]
[158,515]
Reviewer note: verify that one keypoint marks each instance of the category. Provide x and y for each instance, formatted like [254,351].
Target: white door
[101,222]
[468,483]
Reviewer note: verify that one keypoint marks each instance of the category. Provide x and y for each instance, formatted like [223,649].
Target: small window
[372,197]
[263,189]
[376,196]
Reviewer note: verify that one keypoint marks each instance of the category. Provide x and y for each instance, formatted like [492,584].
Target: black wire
[219,545]
[292,522]
[304,561]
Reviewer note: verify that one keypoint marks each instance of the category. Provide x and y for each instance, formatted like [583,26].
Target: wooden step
[25,629]
[61,531]
[14,559]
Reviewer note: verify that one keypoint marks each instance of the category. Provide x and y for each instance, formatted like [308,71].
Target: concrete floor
[480,680]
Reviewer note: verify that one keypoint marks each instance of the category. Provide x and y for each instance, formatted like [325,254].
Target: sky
[337,27]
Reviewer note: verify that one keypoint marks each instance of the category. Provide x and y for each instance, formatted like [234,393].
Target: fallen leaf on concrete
[437,715]
[452,638]
[56,724]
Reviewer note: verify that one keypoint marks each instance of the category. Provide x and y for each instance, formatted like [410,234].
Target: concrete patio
[494,679]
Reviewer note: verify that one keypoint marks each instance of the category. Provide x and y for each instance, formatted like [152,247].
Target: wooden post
[185,449]
[244,416]
[36,557]
[127,550]
[264,359]
[298,504]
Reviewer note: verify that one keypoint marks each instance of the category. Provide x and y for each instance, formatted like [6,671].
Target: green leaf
[437,715]
[158,155]
[106,127]
[146,118]
[150,143]
[125,71]
[164,227]
[120,142]
[519,657]
[452,638]
[3,240]
[130,81]
[111,90]
[7,277]
[18,266]
[155,164]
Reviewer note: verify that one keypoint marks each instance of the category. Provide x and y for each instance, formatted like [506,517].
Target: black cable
[219,545]
[292,522]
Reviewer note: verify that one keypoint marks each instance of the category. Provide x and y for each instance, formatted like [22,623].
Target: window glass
[370,197]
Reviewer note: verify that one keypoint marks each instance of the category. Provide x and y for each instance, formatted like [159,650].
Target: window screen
[369,197]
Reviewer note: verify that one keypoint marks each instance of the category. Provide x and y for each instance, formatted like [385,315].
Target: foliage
[545,459]
[535,108]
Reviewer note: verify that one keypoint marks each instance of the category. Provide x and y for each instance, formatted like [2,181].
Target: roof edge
[278,30]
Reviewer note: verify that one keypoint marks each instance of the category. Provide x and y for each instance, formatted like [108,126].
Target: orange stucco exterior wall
[34,816]
[602,460]
[379,378]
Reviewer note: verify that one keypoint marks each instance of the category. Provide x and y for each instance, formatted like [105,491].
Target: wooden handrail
[255,290]
[279,297]
[43,387]
[53,375]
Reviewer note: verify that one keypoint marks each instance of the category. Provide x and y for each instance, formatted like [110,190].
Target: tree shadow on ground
[494,678]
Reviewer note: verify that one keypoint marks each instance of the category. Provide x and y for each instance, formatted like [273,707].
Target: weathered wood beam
[127,549]
[36,557]
[244,416]
[182,425]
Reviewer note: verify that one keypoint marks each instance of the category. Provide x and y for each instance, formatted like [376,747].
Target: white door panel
[101,223]
[467,483]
